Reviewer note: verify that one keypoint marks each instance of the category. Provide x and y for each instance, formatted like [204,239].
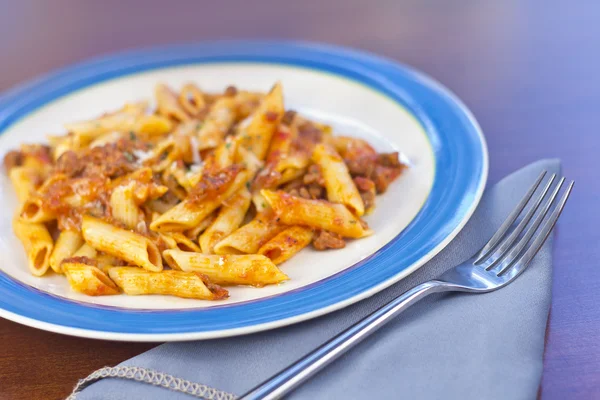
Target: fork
[501,260]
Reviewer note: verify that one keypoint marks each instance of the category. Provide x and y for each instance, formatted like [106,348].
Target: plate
[391,105]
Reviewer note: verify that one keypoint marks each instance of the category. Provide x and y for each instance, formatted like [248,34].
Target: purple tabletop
[529,70]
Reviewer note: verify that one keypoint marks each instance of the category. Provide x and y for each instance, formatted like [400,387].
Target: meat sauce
[214,184]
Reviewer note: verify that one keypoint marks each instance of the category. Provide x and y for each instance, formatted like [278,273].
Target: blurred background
[546,50]
[528,69]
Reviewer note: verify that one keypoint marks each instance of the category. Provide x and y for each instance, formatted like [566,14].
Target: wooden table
[528,69]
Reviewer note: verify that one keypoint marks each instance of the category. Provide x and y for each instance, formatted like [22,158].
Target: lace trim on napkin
[155,378]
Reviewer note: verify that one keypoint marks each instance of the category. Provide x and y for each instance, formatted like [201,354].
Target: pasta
[287,243]
[250,237]
[317,214]
[206,189]
[66,245]
[338,182]
[212,191]
[257,136]
[121,243]
[230,217]
[218,122]
[88,279]
[135,281]
[38,245]
[252,269]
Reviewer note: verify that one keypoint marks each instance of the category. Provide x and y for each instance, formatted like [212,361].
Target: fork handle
[292,376]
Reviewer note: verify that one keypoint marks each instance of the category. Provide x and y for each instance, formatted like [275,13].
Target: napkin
[451,346]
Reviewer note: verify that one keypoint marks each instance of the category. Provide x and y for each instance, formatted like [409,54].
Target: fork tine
[522,262]
[493,242]
[507,243]
[515,250]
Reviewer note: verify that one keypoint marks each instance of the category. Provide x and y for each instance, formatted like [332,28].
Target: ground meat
[92,191]
[68,163]
[314,176]
[13,159]
[111,160]
[313,192]
[41,152]
[271,116]
[288,117]
[389,160]
[328,240]
[316,192]
[215,184]
[267,178]
[354,148]
[361,166]
[304,193]
[231,91]
[308,136]
[310,186]
[363,184]
[366,187]
[294,184]
[383,176]
[382,169]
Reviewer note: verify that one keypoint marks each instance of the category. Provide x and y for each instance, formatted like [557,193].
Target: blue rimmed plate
[359,94]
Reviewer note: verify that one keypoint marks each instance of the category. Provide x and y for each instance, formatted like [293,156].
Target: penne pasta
[24,181]
[86,131]
[287,243]
[38,245]
[136,281]
[250,237]
[246,103]
[177,240]
[229,218]
[86,251]
[265,120]
[66,245]
[190,212]
[318,214]
[107,138]
[338,182]
[129,246]
[281,144]
[193,233]
[248,160]
[62,144]
[260,203]
[168,104]
[138,108]
[89,279]
[191,99]
[124,207]
[222,157]
[291,167]
[217,123]
[105,261]
[33,210]
[255,270]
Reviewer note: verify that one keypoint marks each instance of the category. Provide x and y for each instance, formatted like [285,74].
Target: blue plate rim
[437,109]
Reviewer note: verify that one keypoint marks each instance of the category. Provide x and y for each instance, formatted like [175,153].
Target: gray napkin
[454,346]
